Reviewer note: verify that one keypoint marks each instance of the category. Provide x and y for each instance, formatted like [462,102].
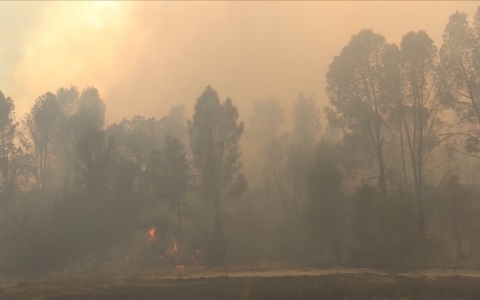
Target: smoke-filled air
[239,150]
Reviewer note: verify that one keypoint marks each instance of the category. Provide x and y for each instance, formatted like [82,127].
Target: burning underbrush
[150,251]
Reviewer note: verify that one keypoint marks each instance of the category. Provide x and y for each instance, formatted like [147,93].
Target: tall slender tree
[89,113]
[305,135]
[393,93]
[214,135]
[324,206]
[459,69]
[95,153]
[39,128]
[354,86]
[8,153]
[170,176]
[420,63]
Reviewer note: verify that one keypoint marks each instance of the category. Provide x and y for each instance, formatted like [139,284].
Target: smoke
[145,57]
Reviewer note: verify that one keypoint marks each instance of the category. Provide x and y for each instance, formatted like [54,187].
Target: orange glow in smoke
[174,248]
[151,234]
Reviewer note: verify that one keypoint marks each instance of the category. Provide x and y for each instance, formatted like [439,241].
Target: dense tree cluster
[390,181]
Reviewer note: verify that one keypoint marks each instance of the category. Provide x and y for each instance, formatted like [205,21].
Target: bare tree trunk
[382,180]
[458,237]
[402,150]
[333,229]
[179,210]
[281,190]
[419,194]
[44,163]
[470,92]
[268,198]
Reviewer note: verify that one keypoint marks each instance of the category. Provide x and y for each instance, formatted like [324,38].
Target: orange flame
[180,267]
[198,251]
[151,234]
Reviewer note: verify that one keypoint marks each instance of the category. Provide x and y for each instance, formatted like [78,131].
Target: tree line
[381,185]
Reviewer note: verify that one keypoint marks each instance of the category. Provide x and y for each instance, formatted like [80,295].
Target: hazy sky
[145,57]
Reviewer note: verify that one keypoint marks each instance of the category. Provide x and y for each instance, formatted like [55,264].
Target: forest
[384,176]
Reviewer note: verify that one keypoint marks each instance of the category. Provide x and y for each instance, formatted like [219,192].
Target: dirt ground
[280,284]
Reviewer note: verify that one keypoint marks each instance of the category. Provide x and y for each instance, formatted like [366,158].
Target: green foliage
[9,152]
[170,175]
[354,84]
[325,210]
[174,124]
[459,69]
[94,159]
[454,216]
[90,112]
[300,154]
[267,119]
[214,135]
[39,128]
[307,120]
[384,229]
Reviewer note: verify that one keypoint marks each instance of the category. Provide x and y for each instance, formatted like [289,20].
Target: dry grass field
[262,284]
